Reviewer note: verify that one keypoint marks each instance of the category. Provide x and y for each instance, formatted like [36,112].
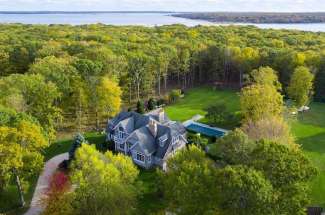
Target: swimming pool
[205,129]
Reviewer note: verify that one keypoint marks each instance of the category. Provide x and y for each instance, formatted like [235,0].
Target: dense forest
[58,72]
[62,77]
[256,17]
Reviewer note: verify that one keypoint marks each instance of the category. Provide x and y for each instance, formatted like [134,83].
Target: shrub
[58,200]
[140,107]
[162,101]
[78,140]
[152,104]
[175,95]
[197,140]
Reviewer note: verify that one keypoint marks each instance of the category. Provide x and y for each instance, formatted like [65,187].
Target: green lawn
[9,199]
[310,133]
[309,129]
[198,99]
[63,145]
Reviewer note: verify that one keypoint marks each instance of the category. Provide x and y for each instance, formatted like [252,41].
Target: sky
[164,5]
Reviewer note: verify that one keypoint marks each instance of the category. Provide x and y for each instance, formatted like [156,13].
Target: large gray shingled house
[150,139]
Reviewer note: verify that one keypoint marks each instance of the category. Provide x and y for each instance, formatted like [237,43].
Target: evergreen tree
[140,107]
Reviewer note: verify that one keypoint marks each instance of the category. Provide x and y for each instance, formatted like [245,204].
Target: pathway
[43,183]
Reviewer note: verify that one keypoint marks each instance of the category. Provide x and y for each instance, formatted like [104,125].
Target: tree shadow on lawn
[314,143]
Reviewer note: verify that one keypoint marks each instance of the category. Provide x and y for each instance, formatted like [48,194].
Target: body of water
[145,19]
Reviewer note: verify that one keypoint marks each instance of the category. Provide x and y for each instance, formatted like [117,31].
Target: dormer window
[162,140]
[175,140]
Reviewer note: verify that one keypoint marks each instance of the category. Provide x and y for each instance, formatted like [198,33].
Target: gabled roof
[138,120]
[144,140]
[141,135]
[128,124]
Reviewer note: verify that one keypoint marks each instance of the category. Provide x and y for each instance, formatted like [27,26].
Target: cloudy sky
[168,5]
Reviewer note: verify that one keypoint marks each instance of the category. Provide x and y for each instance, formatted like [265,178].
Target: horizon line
[141,11]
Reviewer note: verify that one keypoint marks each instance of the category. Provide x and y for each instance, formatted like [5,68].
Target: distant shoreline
[83,12]
[256,17]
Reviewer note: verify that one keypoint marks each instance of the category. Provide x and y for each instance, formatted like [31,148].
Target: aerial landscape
[155,107]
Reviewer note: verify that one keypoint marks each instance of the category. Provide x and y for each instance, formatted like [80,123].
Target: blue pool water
[207,131]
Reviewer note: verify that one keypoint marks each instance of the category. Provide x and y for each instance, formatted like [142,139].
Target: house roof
[155,114]
[141,134]
[145,140]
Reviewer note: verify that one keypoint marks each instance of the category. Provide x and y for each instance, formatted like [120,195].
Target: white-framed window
[140,157]
[120,134]
[149,158]
[175,140]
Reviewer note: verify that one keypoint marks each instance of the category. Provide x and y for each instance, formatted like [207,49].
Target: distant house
[150,139]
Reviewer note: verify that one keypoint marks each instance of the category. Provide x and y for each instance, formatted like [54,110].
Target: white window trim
[162,140]
[175,140]
[136,157]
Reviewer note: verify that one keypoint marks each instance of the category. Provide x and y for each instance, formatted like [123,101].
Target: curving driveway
[43,181]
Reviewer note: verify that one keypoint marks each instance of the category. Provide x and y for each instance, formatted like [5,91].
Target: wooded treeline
[256,17]
[78,63]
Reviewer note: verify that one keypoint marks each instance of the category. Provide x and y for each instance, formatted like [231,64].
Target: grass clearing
[198,99]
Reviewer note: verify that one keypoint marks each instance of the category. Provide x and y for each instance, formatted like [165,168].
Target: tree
[243,191]
[77,142]
[274,129]
[108,98]
[151,104]
[58,71]
[139,67]
[301,85]
[37,96]
[189,182]
[288,170]
[319,85]
[234,148]
[140,107]
[218,114]
[260,101]
[175,95]
[22,140]
[4,62]
[105,184]
[265,76]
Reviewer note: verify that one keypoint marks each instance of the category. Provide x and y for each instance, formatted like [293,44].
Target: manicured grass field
[309,128]
[198,99]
